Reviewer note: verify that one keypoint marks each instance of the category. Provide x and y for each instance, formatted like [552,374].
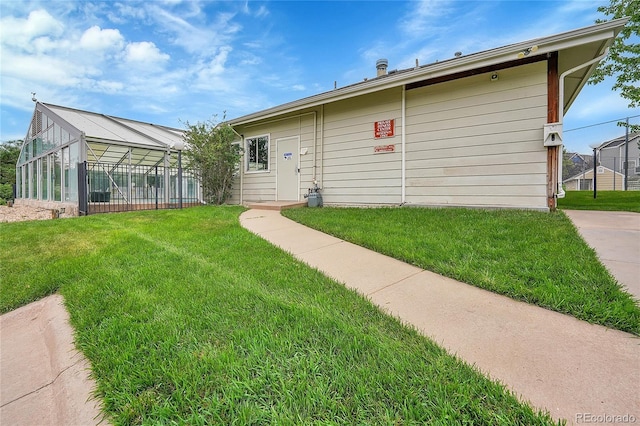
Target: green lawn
[535,257]
[187,318]
[605,200]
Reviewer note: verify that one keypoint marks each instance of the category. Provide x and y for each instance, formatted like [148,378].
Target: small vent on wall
[38,122]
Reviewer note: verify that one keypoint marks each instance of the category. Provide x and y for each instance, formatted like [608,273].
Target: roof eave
[605,32]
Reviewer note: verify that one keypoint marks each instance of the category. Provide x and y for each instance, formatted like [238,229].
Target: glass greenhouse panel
[65,168]
[57,175]
[34,180]
[26,181]
[19,182]
[71,178]
[44,178]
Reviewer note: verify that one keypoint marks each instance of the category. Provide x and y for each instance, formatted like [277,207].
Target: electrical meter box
[553,134]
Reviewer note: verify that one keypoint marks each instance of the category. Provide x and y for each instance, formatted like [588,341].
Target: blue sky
[168,62]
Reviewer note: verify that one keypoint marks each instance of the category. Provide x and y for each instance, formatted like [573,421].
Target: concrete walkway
[44,380]
[573,369]
[615,236]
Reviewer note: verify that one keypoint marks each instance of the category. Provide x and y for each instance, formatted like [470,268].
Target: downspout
[403,142]
[315,145]
[322,145]
[560,191]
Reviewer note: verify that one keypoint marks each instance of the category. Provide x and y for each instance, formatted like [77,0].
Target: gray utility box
[314,199]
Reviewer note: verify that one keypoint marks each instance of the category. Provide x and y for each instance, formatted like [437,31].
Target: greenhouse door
[287,173]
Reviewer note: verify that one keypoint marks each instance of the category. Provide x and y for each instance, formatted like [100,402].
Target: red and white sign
[384,148]
[384,129]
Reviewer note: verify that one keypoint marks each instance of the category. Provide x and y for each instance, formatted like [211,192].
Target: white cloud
[262,11]
[203,40]
[20,33]
[214,68]
[122,13]
[98,39]
[144,52]
[59,71]
[423,18]
[105,86]
[40,22]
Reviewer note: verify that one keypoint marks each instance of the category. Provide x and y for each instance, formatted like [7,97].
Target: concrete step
[275,205]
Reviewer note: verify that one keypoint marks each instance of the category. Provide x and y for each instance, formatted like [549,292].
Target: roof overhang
[574,48]
[620,140]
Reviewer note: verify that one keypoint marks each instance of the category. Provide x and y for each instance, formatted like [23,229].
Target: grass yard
[187,318]
[535,257]
[605,200]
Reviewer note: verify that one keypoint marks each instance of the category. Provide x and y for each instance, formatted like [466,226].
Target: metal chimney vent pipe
[381,66]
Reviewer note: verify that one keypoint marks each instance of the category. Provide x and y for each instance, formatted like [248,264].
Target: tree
[623,61]
[213,157]
[9,153]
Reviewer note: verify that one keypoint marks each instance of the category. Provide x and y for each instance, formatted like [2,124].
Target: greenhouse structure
[77,162]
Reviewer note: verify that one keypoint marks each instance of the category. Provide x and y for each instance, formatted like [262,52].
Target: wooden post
[553,116]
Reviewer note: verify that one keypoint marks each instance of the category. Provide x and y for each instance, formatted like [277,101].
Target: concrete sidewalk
[44,380]
[571,368]
[615,236]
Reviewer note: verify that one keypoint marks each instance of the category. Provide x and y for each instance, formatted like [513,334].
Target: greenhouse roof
[109,129]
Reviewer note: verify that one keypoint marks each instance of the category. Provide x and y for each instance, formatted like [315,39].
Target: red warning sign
[384,129]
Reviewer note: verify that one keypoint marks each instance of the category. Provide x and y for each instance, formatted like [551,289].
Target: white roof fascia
[562,41]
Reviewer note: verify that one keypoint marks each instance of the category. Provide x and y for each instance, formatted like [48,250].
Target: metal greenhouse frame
[81,163]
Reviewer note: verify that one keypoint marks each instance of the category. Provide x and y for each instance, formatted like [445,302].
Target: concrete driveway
[615,236]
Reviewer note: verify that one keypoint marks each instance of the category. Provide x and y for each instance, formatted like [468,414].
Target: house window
[258,154]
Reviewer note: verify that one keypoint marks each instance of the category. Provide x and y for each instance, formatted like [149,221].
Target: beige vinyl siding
[261,186]
[235,192]
[572,185]
[477,142]
[235,188]
[352,172]
[608,180]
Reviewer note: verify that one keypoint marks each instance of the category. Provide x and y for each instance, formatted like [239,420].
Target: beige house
[606,180]
[482,130]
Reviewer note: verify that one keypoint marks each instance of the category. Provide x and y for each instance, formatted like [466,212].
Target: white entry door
[287,173]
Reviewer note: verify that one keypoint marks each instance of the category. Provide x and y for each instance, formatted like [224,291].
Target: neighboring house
[612,154]
[575,163]
[83,162]
[468,131]
[606,180]
[576,159]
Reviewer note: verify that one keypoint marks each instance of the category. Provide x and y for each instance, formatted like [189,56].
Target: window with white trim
[258,154]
